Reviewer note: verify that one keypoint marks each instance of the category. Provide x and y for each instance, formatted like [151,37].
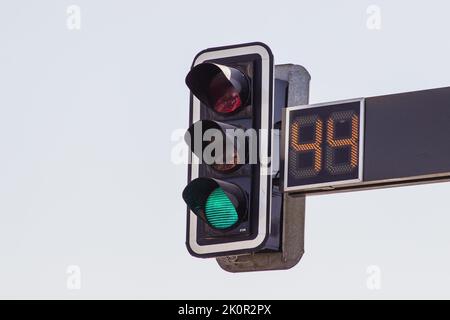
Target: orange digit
[352,141]
[313,146]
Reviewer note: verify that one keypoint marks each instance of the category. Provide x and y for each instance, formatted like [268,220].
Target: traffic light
[247,182]
[229,191]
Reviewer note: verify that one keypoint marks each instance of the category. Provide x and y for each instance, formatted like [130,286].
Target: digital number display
[324,145]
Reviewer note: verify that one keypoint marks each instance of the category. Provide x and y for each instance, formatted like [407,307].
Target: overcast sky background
[86,118]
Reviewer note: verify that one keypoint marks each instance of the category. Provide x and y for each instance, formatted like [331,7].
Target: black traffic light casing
[244,75]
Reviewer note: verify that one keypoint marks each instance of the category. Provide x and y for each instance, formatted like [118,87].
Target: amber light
[228,167]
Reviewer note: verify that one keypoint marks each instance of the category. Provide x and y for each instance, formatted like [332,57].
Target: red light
[229,102]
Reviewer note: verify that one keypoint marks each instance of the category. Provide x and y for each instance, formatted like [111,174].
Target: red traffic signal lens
[225,96]
[221,88]
[229,102]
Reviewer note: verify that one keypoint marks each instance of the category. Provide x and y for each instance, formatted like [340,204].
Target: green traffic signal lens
[219,210]
[220,204]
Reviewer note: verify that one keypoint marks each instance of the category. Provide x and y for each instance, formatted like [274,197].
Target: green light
[219,210]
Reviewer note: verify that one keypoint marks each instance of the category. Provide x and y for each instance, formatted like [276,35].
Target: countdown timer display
[323,145]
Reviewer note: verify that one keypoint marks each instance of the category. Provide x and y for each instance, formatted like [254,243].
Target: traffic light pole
[293,213]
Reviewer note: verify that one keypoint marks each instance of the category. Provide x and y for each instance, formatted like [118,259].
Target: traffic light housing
[229,191]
